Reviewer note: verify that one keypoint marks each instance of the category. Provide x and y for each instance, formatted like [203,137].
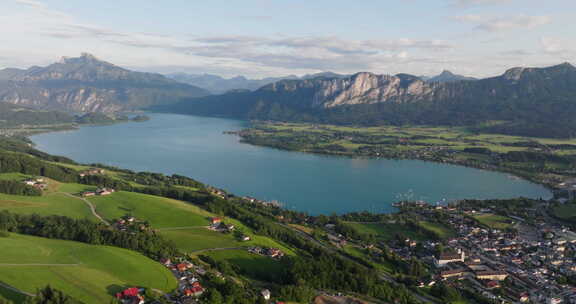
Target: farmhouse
[37,183]
[104,191]
[88,193]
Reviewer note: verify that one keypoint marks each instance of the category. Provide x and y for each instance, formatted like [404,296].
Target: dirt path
[90,205]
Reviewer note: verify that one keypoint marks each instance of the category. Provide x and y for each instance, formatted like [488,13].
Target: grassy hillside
[159,211]
[183,223]
[89,273]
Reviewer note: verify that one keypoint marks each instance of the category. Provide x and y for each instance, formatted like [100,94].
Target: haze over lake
[196,147]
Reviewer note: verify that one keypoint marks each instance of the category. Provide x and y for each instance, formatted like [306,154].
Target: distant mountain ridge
[87,84]
[530,101]
[446,76]
[219,85]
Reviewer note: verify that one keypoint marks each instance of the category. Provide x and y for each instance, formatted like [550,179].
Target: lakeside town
[528,260]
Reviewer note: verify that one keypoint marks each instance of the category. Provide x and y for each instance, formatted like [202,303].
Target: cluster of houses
[525,264]
[91,171]
[217,192]
[130,223]
[189,286]
[38,183]
[217,224]
[253,200]
[99,191]
[274,253]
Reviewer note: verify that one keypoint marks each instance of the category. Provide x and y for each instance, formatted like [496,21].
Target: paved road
[90,205]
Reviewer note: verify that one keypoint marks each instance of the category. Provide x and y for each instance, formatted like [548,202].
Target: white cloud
[555,46]
[497,24]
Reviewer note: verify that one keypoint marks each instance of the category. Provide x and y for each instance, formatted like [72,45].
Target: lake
[196,147]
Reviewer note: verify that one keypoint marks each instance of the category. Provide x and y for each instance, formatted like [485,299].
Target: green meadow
[494,221]
[90,273]
[47,204]
[250,265]
[160,212]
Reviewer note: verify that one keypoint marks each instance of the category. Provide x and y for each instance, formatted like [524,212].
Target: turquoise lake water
[196,147]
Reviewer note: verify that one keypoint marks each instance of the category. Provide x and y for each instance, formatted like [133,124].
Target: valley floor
[541,160]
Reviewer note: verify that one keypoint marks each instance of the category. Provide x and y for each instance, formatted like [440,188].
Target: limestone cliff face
[361,88]
[86,84]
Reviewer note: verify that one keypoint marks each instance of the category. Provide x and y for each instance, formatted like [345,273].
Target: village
[528,263]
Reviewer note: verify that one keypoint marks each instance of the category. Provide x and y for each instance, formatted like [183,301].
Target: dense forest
[13,115]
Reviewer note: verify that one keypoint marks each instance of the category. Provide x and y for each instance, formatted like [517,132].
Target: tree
[214,297]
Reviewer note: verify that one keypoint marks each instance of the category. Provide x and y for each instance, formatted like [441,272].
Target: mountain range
[522,101]
[446,76]
[220,85]
[87,84]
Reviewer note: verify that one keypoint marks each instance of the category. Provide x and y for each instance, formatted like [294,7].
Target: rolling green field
[87,272]
[386,231]
[48,204]
[250,265]
[440,230]
[159,211]
[494,221]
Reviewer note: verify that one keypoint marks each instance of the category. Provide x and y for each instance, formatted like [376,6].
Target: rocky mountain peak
[514,74]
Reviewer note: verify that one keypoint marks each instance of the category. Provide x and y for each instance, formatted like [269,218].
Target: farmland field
[87,272]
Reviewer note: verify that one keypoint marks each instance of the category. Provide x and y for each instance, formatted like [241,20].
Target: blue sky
[260,38]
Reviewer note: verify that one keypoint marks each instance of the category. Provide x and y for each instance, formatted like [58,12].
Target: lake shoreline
[258,185]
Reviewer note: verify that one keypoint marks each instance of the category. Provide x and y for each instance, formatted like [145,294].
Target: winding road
[90,205]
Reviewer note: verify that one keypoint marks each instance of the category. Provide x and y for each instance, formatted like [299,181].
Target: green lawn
[251,265]
[87,272]
[13,176]
[494,221]
[194,239]
[442,231]
[386,231]
[47,204]
[566,211]
[159,211]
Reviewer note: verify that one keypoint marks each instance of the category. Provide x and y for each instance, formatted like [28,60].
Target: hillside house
[88,193]
[105,191]
[91,171]
[215,221]
[37,183]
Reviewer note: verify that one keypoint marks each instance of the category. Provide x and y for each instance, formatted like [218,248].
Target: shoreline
[544,192]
